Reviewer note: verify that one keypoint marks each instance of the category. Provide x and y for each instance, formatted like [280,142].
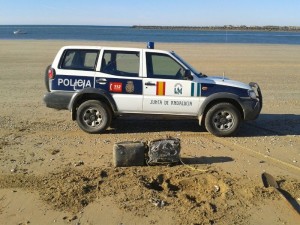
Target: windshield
[187,65]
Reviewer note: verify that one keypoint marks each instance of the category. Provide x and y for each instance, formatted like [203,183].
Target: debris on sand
[208,197]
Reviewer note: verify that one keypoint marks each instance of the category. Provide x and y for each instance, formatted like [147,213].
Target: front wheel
[93,116]
[223,119]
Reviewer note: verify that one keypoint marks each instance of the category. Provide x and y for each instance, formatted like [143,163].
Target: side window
[163,66]
[121,63]
[77,59]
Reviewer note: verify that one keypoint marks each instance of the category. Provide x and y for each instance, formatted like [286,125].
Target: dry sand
[51,172]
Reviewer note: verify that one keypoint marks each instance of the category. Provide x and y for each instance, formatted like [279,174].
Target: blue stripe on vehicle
[75,83]
[133,86]
[71,83]
[209,89]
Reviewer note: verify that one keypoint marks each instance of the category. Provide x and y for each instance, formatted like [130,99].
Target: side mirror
[188,75]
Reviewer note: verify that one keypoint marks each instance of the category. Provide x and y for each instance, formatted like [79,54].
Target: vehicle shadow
[265,125]
[146,124]
[206,160]
[270,125]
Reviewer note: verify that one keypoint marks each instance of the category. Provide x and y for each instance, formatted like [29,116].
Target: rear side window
[121,63]
[77,59]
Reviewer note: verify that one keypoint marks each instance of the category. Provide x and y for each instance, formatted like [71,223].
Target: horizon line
[135,25]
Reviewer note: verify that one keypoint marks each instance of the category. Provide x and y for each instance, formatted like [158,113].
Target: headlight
[252,94]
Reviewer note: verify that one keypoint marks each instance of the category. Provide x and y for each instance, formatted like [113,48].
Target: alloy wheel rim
[92,117]
[223,120]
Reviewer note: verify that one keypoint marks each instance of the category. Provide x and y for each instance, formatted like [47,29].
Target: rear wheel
[93,116]
[223,119]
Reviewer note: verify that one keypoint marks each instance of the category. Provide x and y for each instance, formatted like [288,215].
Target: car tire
[93,116]
[223,120]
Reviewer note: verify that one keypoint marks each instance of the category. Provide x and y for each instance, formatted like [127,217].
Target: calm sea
[114,33]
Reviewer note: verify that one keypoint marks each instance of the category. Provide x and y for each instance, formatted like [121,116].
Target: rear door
[120,75]
[166,91]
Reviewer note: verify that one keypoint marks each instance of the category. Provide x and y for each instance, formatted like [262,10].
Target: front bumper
[252,107]
[255,87]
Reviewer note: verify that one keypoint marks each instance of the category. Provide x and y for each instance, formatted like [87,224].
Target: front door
[166,90]
[120,75]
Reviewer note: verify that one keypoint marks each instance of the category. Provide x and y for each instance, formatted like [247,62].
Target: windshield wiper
[202,75]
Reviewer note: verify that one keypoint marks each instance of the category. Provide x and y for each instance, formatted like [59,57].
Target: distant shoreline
[222,28]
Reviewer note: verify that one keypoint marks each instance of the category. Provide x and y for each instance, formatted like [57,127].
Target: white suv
[98,83]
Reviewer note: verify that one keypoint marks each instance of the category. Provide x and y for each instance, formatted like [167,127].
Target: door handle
[101,81]
[150,84]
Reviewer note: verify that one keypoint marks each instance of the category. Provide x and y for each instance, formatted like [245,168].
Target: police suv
[97,84]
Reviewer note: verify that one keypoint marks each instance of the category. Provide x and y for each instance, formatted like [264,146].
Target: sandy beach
[51,172]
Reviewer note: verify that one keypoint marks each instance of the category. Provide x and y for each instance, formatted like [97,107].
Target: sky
[151,12]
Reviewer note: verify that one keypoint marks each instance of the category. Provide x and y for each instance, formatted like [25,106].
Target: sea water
[122,33]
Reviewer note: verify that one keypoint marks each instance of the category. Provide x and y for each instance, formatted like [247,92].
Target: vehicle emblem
[178,89]
[129,87]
